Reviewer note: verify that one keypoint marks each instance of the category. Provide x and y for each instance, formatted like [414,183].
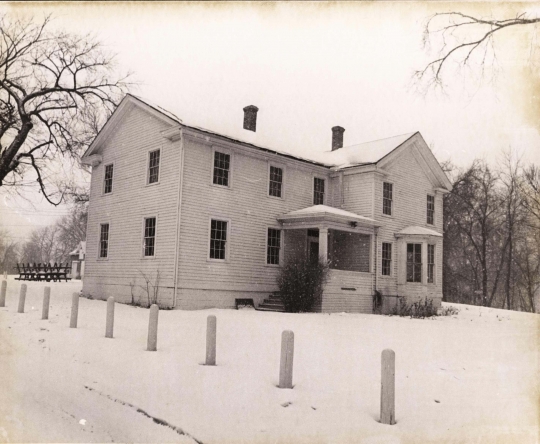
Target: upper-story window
[430,209]
[318,191]
[218,239]
[273,246]
[275,187]
[108,180]
[153,166]
[386,259]
[387,198]
[430,264]
[149,242]
[104,240]
[222,169]
[414,262]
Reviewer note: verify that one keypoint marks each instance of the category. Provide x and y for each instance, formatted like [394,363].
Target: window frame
[391,200]
[212,166]
[145,218]
[103,193]
[282,168]
[99,257]
[432,223]
[315,178]
[391,259]
[414,263]
[153,150]
[431,265]
[280,252]
[227,240]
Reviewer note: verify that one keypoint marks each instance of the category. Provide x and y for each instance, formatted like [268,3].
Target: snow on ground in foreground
[466,378]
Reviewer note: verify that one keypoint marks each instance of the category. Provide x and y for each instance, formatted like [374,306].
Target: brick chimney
[337,137]
[250,118]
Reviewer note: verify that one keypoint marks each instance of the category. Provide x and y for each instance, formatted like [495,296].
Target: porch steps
[272,303]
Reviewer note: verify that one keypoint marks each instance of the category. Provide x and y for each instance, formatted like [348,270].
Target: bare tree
[8,251]
[459,38]
[56,89]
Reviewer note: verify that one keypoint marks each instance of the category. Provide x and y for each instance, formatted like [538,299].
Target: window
[276,181]
[218,239]
[387,198]
[273,246]
[222,165]
[430,209]
[149,236]
[386,259]
[153,167]
[104,240]
[414,262]
[107,182]
[318,191]
[431,264]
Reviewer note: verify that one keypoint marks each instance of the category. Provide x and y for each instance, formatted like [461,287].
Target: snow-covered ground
[467,378]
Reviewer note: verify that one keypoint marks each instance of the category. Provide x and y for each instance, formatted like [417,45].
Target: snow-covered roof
[363,153]
[353,155]
[418,231]
[81,248]
[324,211]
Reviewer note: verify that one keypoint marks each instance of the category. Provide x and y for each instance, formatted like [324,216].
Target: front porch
[344,240]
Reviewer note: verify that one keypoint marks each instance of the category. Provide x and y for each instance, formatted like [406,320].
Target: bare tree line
[492,236]
[48,244]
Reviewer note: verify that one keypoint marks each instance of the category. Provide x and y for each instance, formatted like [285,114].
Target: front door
[313,252]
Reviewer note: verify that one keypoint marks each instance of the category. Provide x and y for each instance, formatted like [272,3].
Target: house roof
[80,248]
[418,231]
[350,156]
[324,212]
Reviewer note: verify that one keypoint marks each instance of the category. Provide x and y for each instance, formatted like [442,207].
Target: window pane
[104,241]
[430,209]
[414,262]
[274,243]
[153,166]
[318,191]
[222,163]
[108,179]
[218,239]
[149,236]
[386,258]
[276,180]
[387,198]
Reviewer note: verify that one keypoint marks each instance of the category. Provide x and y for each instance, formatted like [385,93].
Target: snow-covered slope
[466,378]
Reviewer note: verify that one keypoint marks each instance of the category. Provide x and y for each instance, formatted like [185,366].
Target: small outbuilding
[76,257]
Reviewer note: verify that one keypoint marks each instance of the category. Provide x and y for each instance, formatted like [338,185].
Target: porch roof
[418,231]
[324,213]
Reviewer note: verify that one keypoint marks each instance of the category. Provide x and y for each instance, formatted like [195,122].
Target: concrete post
[46,303]
[3,294]
[74,310]
[286,362]
[152,328]
[211,340]
[109,327]
[22,298]
[388,377]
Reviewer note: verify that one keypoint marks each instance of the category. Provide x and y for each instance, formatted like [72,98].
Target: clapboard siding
[249,210]
[348,291]
[125,208]
[358,193]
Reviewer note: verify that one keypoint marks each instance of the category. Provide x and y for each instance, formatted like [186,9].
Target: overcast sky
[308,67]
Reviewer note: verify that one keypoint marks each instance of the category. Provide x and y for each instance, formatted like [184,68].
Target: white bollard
[388,385]
[74,310]
[22,298]
[152,328]
[286,362]
[109,327]
[3,294]
[46,302]
[211,340]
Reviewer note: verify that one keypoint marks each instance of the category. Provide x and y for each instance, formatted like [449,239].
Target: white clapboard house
[208,219]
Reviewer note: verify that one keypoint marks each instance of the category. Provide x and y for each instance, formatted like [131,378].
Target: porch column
[323,244]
